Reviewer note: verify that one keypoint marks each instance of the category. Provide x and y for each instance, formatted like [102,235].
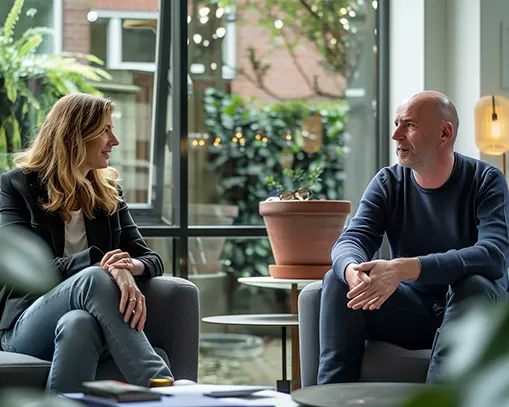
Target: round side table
[356,394]
[295,285]
[282,320]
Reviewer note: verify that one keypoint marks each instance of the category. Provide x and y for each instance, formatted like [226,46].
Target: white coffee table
[295,285]
[269,398]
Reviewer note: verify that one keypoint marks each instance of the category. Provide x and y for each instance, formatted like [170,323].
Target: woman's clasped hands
[132,302]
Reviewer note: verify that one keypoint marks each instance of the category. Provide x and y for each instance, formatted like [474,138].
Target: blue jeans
[409,318]
[77,324]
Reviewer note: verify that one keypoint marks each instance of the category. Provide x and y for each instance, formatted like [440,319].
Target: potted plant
[30,83]
[301,230]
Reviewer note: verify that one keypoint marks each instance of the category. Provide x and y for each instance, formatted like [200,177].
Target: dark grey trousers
[409,318]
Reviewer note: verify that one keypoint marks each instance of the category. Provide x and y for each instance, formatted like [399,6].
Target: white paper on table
[216,390]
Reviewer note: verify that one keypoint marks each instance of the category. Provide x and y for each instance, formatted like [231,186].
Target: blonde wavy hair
[59,150]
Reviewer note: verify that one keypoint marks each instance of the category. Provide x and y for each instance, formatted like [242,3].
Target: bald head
[439,104]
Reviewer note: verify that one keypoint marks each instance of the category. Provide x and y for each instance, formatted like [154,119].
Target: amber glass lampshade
[492,125]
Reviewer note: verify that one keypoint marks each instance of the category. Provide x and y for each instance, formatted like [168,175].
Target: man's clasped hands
[373,282]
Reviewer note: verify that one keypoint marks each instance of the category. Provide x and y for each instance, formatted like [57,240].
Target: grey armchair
[383,362]
[172,327]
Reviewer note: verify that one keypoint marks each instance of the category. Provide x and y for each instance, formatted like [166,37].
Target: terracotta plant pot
[301,234]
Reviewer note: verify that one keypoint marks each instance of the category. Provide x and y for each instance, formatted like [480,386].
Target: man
[447,223]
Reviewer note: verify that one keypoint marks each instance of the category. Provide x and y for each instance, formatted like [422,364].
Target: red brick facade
[76,35]
[284,78]
[131,5]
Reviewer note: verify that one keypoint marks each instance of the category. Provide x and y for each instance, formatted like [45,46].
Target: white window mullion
[58,26]
[230,51]
[114,43]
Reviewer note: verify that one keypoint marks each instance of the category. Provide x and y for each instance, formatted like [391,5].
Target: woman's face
[99,149]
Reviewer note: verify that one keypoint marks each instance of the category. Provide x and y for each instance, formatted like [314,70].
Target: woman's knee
[96,278]
[78,323]
[94,273]
[76,332]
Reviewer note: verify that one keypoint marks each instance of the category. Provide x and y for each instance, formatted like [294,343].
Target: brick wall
[131,5]
[283,77]
[76,36]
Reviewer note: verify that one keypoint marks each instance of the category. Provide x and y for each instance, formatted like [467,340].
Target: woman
[64,190]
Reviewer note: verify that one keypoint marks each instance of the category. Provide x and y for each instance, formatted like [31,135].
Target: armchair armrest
[309,319]
[173,322]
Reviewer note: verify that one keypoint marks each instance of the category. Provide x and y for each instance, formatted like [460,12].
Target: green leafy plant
[476,372]
[30,83]
[296,178]
[25,268]
[253,142]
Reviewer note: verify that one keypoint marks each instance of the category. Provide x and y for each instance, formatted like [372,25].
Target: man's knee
[474,286]
[331,278]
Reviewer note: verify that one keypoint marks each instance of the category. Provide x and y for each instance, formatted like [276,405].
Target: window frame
[58,23]
[114,38]
[151,211]
[114,41]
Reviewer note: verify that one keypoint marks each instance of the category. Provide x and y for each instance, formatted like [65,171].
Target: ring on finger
[132,299]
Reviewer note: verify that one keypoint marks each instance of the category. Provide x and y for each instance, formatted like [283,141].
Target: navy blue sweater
[458,229]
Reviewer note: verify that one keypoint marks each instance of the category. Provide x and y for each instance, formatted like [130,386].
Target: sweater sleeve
[488,257]
[363,237]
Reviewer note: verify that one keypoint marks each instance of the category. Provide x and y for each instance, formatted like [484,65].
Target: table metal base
[283,385]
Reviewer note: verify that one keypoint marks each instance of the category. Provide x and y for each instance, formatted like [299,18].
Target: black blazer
[20,194]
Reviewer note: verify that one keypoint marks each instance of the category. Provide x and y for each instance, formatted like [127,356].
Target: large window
[217,144]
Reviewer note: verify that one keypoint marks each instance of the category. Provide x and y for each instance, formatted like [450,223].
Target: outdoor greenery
[253,143]
[31,83]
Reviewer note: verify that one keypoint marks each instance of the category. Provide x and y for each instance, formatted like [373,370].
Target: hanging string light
[238,135]
[198,139]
